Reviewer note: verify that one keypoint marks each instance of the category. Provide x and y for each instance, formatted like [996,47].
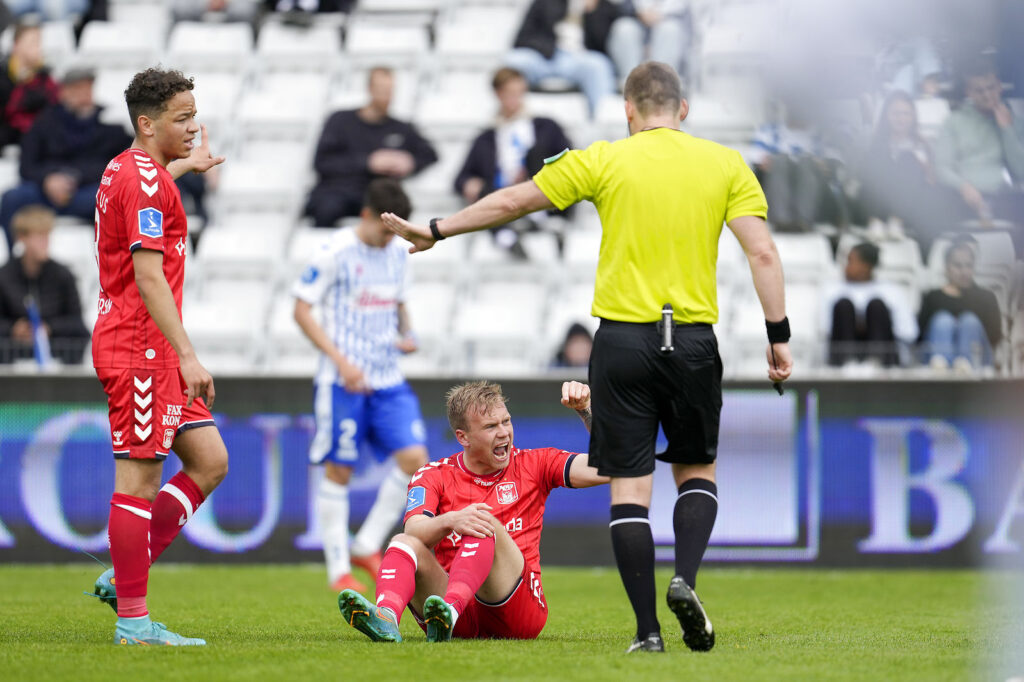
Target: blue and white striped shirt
[358,288]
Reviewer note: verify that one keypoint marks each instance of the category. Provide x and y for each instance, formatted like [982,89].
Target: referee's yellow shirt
[663,196]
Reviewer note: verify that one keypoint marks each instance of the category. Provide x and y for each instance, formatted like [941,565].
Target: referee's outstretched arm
[766,269]
[495,209]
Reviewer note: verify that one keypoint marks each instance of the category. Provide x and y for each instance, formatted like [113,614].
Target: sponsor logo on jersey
[172,416]
[118,438]
[114,166]
[417,496]
[151,223]
[506,492]
[180,246]
[104,305]
[309,275]
[168,438]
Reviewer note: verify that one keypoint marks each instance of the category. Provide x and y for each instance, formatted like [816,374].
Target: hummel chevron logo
[143,434]
[143,417]
[143,386]
[143,401]
[148,174]
[150,190]
[142,160]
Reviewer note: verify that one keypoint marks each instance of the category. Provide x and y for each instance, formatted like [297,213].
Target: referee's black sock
[633,544]
[692,519]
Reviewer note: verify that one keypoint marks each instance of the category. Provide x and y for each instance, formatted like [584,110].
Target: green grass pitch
[282,623]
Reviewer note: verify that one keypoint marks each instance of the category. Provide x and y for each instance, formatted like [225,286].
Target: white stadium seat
[195,45]
[376,42]
[282,47]
[106,44]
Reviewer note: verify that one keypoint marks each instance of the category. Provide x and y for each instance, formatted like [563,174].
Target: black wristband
[434,231]
[778,332]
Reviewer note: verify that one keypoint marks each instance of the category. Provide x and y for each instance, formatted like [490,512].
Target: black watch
[434,231]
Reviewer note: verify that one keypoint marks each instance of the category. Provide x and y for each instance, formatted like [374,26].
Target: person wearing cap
[31,279]
[64,153]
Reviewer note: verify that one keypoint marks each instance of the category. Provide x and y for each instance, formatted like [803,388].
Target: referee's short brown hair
[474,396]
[653,87]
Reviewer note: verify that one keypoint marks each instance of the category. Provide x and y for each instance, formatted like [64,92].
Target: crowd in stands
[929,149]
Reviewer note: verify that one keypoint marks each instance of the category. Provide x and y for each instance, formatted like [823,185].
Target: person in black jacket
[961,322]
[26,87]
[32,279]
[510,152]
[538,53]
[359,145]
[64,153]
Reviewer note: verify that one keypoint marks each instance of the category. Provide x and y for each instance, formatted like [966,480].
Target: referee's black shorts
[635,386]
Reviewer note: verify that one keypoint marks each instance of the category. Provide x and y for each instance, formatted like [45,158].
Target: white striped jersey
[358,288]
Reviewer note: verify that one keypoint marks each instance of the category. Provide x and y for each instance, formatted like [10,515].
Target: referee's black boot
[697,631]
[652,643]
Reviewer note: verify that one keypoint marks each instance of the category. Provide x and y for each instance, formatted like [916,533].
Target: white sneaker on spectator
[938,363]
[963,366]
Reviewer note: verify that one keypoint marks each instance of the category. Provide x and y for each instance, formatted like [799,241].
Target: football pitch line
[281,622]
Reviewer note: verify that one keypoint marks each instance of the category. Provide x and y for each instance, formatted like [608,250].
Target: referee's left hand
[575,396]
[417,235]
[780,362]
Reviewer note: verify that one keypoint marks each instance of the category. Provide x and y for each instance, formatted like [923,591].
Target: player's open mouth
[190,143]
[501,452]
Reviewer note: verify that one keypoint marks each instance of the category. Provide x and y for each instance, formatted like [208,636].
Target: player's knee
[406,542]
[411,459]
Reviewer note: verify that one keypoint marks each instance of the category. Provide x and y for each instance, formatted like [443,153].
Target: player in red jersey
[468,563]
[157,391]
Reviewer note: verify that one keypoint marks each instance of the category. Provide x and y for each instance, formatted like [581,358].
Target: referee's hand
[780,361]
[417,235]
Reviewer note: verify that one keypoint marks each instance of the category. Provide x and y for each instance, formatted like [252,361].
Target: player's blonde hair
[475,396]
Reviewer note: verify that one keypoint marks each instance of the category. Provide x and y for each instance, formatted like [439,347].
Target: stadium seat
[476,34]
[460,105]
[288,350]
[107,44]
[9,173]
[196,45]
[226,323]
[108,91]
[721,119]
[569,304]
[302,247]
[4,253]
[931,113]
[370,42]
[568,109]
[805,257]
[217,96]
[73,244]
[250,250]
[286,105]
[283,47]
[268,182]
[580,254]
[154,16]
[502,340]
[432,189]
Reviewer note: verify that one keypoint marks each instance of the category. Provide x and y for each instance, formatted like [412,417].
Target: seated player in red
[468,563]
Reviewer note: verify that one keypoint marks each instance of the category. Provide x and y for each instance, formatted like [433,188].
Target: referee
[663,197]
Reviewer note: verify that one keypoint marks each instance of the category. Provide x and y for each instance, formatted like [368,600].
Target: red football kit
[517,495]
[138,206]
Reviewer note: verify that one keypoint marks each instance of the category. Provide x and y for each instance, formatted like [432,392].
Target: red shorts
[522,615]
[147,410]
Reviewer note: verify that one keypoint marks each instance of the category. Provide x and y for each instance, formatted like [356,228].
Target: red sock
[173,507]
[469,570]
[396,581]
[129,552]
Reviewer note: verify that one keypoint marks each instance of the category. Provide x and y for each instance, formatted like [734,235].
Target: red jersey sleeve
[424,494]
[551,467]
[144,205]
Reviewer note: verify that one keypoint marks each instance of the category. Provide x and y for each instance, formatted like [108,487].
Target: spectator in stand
[575,350]
[912,65]
[541,50]
[47,10]
[359,145]
[659,30]
[961,322]
[64,153]
[35,290]
[867,317]
[26,87]
[227,10]
[897,175]
[509,153]
[980,152]
[790,162]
